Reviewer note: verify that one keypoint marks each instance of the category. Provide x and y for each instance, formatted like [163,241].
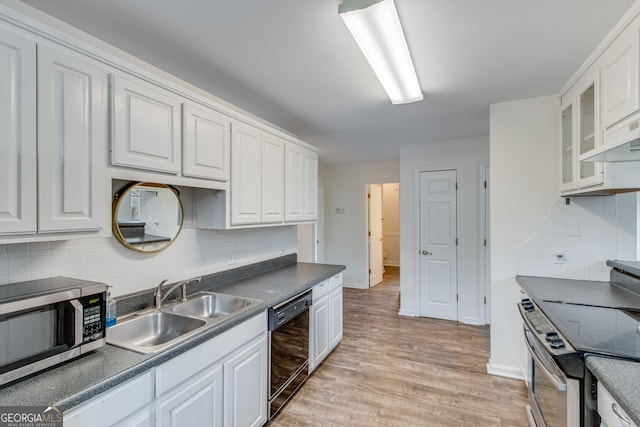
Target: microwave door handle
[559,385]
[78,322]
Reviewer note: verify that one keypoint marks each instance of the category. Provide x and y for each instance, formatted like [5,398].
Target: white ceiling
[294,63]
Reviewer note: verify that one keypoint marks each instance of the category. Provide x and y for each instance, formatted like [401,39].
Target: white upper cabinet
[71,140]
[146,131]
[619,69]
[205,146]
[246,174]
[17,134]
[301,184]
[272,179]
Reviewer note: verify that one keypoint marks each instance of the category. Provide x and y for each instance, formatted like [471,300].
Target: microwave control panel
[93,317]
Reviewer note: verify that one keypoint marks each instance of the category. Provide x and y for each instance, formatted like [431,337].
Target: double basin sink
[159,329]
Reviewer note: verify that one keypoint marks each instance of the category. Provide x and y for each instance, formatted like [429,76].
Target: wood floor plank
[391,370]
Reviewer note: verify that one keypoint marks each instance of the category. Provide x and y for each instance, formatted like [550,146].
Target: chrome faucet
[158,297]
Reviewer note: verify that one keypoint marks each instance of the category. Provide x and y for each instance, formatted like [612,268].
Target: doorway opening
[383,231]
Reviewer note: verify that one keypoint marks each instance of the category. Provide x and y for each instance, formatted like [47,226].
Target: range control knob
[552,336]
[557,344]
[527,304]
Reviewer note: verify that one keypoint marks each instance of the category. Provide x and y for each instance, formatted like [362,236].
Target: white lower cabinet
[118,406]
[325,320]
[197,403]
[222,382]
[611,414]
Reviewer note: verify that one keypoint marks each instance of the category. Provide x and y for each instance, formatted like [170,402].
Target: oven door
[289,360]
[554,398]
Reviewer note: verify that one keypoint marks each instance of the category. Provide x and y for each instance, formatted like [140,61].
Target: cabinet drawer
[335,282]
[320,290]
[113,405]
[610,411]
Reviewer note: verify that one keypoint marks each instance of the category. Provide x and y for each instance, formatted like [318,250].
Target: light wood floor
[391,370]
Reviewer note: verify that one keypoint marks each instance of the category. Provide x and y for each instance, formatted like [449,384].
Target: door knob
[426,252]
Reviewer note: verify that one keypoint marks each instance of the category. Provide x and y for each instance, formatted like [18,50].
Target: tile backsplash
[195,252]
[574,241]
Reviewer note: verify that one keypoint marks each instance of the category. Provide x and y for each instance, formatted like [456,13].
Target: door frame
[484,262]
[416,226]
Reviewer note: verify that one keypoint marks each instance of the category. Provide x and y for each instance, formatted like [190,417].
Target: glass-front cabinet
[580,134]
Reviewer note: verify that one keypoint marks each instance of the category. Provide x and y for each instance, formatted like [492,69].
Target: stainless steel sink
[209,305]
[152,332]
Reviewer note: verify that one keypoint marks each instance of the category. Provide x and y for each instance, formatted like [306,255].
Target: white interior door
[375,234]
[437,251]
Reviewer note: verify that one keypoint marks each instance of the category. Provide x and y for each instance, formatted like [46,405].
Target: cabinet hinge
[456,186]
[485,243]
[485,300]
[485,183]
[457,297]
[456,241]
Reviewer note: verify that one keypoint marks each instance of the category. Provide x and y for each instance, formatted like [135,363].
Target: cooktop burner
[601,330]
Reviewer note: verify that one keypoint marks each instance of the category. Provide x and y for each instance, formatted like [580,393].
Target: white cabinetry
[71,135]
[325,320]
[619,68]
[610,411]
[17,134]
[301,188]
[145,120]
[122,405]
[272,210]
[205,145]
[246,166]
[71,140]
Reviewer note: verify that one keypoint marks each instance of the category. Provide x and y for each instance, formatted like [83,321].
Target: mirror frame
[117,198]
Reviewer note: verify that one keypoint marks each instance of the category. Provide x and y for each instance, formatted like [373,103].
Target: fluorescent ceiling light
[375,26]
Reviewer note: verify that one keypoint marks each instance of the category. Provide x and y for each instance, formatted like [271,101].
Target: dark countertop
[622,379]
[603,294]
[78,380]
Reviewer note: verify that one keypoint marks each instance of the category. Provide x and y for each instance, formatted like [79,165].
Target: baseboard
[354,285]
[504,371]
[405,312]
[392,264]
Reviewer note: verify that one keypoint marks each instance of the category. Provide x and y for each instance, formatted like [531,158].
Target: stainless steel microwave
[48,321]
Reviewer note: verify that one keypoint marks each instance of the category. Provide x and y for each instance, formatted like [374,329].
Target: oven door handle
[558,383]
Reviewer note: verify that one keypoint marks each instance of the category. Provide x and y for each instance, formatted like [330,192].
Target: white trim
[484,267]
[505,371]
[355,285]
[410,313]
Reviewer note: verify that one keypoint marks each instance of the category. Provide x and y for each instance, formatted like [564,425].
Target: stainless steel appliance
[48,321]
[288,349]
[559,334]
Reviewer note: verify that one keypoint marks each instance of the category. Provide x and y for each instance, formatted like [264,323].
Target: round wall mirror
[147,217]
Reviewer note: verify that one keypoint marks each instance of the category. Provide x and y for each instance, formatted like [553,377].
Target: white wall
[466,154]
[391,224]
[525,172]
[306,243]
[346,233]
[195,252]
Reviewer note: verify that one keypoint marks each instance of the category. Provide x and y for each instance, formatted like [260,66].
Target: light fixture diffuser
[375,26]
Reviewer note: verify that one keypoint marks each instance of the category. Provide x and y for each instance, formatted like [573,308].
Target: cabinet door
[200,403]
[245,385]
[146,127]
[566,146]
[319,336]
[206,143]
[71,139]
[310,188]
[619,69]
[294,184]
[17,134]
[335,320]
[588,138]
[272,179]
[246,162]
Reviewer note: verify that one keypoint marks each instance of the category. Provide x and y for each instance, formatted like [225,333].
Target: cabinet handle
[614,408]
